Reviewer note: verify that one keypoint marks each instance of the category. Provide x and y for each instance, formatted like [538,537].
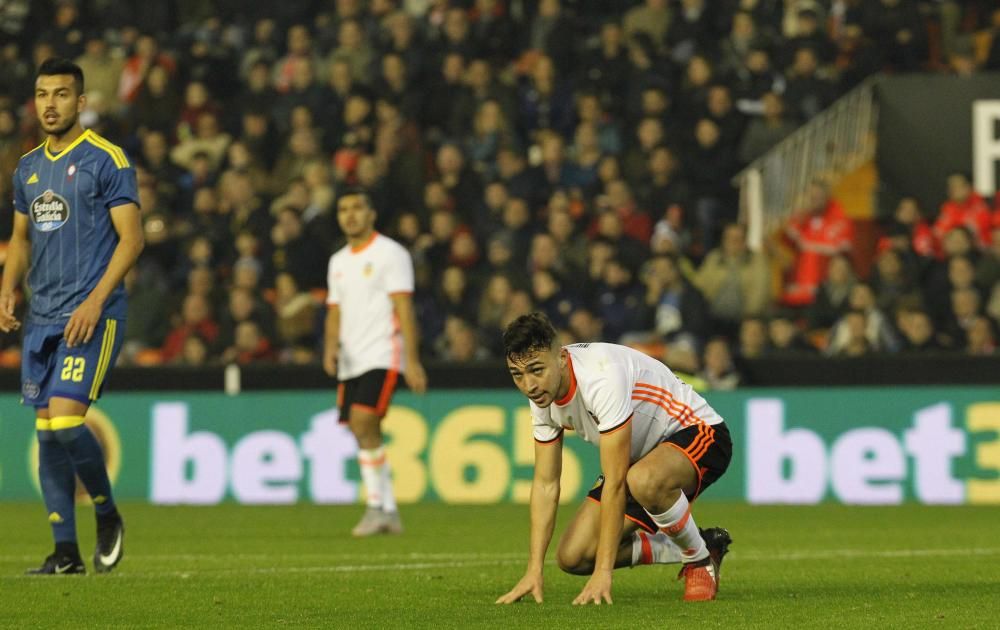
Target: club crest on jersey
[30,389]
[49,211]
[71,171]
[367,271]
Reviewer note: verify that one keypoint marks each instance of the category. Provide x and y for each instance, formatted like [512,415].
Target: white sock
[371,460]
[388,496]
[679,525]
[654,549]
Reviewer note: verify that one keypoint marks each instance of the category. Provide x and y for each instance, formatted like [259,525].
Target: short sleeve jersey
[67,198]
[361,282]
[613,385]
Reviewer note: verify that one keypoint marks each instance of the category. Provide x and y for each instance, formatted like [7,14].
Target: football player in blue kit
[77,231]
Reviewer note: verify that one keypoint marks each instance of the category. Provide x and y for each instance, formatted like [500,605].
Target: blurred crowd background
[572,157]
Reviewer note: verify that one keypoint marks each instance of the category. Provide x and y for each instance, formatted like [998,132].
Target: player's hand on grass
[416,377]
[596,591]
[7,320]
[82,323]
[531,584]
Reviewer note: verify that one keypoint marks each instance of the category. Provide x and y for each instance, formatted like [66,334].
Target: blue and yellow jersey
[68,197]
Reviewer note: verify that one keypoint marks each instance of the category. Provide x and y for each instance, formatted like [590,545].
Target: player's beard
[60,128]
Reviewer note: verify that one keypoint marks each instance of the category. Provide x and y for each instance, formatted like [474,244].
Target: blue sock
[58,482]
[88,461]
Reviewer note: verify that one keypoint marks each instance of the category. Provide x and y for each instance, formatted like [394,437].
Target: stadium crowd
[573,157]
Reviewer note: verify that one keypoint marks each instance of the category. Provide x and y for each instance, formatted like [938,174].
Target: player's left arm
[416,377]
[615,448]
[128,224]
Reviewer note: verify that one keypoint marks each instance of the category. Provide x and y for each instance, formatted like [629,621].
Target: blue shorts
[49,369]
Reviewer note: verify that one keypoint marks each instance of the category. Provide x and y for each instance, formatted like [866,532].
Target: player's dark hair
[59,65]
[527,334]
[354,190]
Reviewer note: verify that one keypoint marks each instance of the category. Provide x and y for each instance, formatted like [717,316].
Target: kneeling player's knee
[574,561]
[646,486]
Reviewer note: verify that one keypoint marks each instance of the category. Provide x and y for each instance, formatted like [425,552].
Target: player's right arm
[13,270]
[331,339]
[544,504]
[331,328]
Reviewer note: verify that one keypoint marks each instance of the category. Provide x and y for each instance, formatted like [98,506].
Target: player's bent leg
[578,545]
[661,481]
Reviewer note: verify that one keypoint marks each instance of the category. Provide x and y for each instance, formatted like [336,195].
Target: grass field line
[469,560]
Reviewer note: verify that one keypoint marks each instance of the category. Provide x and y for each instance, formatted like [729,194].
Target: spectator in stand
[735,281]
[959,274]
[674,311]
[155,106]
[900,30]
[300,48]
[295,316]
[981,337]
[297,251]
[619,301]
[988,267]
[103,71]
[766,131]
[809,33]
[911,219]
[785,337]
[195,352]
[875,328]
[966,306]
[964,208]
[550,298]
[664,188]
[852,339]
[807,93]
[711,165]
[622,226]
[195,318]
[918,332]
[570,245]
[493,302]
[892,280]
[242,306]
[147,55]
[742,35]
[815,232]
[719,109]
[250,345]
[718,370]
[753,339]
[545,102]
[607,69]
[590,111]
[652,17]
[461,184]
[459,343]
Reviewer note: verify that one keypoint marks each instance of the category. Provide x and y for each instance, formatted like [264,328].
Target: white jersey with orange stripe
[611,385]
[361,282]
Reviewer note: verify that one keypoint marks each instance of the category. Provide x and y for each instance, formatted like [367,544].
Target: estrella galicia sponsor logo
[49,211]
[30,390]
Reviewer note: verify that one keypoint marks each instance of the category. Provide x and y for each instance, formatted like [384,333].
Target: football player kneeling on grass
[660,446]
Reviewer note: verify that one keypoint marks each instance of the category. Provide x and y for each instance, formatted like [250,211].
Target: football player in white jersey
[660,444]
[370,337]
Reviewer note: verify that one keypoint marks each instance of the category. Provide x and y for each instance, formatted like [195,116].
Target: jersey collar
[362,247]
[83,136]
[572,384]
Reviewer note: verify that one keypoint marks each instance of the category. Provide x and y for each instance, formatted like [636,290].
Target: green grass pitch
[789,567]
